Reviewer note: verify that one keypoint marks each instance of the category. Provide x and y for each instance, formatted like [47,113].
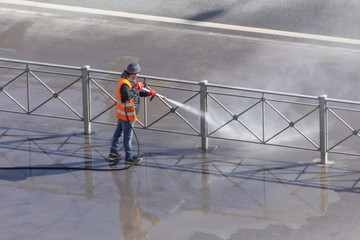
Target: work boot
[133,161]
[114,157]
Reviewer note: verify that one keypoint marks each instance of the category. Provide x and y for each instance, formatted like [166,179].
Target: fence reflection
[204,182]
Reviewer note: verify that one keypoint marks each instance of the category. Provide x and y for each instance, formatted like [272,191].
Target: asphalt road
[324,17]
[107,41]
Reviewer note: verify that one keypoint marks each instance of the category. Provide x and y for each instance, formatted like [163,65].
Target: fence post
[204,128]
[86,99]
[323,128]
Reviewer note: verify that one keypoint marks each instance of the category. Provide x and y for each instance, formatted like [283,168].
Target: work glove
[139,85]
[152,93]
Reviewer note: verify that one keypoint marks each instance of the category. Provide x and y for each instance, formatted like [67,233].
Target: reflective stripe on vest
[127,104]
[125,111]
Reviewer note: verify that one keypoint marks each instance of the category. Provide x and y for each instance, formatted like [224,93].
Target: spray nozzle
[159,95]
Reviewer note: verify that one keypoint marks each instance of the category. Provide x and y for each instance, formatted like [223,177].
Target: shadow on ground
[173,187]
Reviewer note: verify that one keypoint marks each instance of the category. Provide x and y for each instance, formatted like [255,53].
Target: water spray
[179,104]
[189,109]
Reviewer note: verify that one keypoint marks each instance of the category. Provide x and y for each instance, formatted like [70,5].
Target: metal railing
[202,109]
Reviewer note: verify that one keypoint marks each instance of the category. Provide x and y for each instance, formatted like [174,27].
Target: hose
[85,168]
[66,168]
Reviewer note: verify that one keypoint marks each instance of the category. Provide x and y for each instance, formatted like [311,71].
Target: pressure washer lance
[159,95]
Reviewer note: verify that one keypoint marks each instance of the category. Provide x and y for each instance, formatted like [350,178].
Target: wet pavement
[231,192]
[235,191]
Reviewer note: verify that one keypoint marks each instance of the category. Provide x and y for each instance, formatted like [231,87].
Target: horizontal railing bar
[17,112]
[147,77]
[263,91]
[234,95]
[41,115]
[169,80]
[345,153]
[269,144]
[104,79]
[168,131]
[55,73]
[55,116]
[173,88]
[40,64]
[12,68]
[344,109]
[342,101]
[267,98]
[92,70]
[293,102]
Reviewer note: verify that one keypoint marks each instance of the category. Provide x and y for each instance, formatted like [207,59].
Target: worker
[127,106]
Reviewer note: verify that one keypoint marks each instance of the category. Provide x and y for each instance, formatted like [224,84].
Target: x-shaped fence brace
[353,131]
[55,95]
[261,100]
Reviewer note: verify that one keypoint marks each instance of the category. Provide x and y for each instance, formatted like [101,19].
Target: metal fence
[202,109]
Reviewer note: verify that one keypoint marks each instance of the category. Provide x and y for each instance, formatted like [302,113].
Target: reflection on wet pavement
[215,193]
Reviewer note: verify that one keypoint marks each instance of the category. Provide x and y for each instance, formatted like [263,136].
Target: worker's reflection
[130,213]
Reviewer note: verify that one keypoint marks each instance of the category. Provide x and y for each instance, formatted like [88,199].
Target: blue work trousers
[126,128]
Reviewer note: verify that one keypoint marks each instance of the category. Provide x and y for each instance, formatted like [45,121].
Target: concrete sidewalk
[236,191]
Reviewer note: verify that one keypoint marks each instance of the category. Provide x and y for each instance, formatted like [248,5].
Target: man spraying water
[127,106]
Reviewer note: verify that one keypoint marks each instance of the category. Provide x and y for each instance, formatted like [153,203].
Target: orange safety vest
[130,114]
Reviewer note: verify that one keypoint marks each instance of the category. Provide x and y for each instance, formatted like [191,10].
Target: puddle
[250,195]
[179,193]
